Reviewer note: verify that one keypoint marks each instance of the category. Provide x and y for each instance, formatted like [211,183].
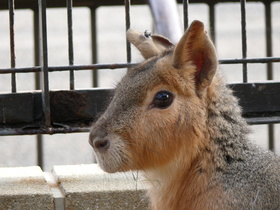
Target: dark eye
[163,99]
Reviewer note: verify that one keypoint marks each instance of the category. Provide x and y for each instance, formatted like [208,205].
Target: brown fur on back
[194,152]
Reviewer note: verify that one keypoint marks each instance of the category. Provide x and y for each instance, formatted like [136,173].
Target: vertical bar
[12,43]
[44,63]
[36,34]
[268,35]
[212,21]
[93,50]
[40,151]
[127,21]
[39,138]
[244,38]
[269,66]
[69,4]
[271,137]
[94,44]
[186,13]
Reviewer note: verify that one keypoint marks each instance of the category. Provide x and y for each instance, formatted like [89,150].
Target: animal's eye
[163,99]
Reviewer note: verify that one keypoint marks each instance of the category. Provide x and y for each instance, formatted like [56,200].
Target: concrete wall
[76,187]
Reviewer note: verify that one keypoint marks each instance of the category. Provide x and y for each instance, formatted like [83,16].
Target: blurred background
[74,148]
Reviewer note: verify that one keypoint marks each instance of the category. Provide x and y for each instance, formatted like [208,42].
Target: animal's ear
[149,45]
[196,47]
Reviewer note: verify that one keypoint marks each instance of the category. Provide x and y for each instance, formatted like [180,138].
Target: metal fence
[65,111]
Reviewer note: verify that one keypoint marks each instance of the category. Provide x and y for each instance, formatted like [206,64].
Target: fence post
[44,64]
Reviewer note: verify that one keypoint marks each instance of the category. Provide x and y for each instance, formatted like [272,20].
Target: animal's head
[158,110]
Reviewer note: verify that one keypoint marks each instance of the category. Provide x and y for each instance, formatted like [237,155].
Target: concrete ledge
[88,187]
[77,187]
[24,188]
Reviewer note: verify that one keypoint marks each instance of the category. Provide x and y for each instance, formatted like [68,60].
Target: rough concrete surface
[24,188]
[88,187]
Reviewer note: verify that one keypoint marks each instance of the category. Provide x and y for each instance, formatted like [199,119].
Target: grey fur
[250,175]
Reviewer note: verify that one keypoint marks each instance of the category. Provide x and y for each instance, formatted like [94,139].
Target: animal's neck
[180,183]
[226,127]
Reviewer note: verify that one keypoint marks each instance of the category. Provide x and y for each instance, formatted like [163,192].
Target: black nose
[101,145]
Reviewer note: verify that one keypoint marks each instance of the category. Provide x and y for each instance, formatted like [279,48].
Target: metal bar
[269,66]
[268,35]
[127,26]
[40,150]
[124,65]
[19,131]
[36,32]
[39,138]
[249,60]
[44,63]
[263,120]
[186,13]
[69,4]
[67,68]
[271,144]
[212,21]
[244,38]
[12,43]
[94,44]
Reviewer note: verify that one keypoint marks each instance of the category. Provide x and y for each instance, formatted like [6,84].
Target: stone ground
[73,148]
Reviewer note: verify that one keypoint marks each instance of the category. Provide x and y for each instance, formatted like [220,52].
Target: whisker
[153,182]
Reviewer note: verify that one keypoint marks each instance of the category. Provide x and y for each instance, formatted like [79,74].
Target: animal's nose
[101,145]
